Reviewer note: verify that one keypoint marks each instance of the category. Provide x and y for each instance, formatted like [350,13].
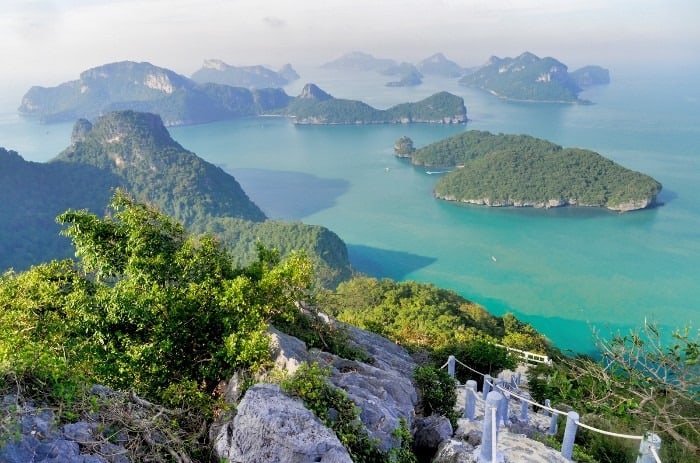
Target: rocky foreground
[266,425]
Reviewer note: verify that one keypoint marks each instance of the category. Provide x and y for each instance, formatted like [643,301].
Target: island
[219,72]
[439,65]
[147,88]
[179,100]
[524,171]
[314,106]
[533,79]
[409,75]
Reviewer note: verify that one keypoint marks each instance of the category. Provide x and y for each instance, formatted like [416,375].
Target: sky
[47,42]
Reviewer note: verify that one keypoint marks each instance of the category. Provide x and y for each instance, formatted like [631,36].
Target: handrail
[526,355]
[553,410]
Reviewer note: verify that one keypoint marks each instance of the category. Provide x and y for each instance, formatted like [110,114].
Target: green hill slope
[134,151]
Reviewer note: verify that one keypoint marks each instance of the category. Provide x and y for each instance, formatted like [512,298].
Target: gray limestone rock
[429,433]
[270,426]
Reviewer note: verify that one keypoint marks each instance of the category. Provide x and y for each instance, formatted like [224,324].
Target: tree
[147,306]
[647,378]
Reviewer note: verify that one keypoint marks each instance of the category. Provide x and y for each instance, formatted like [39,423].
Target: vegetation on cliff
[520,170]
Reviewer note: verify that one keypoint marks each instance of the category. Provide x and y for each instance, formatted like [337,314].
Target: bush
[438,393]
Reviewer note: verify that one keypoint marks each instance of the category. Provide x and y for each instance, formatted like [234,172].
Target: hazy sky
[46,42]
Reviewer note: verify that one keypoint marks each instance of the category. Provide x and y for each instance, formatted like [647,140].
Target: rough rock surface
[430,432]
[38,439]
[271,426]
[383,391]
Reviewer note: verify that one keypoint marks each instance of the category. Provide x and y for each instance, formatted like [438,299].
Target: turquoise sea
[567,271]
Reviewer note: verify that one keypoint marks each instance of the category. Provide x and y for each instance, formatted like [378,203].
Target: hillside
[314,106]
[147,88]
[134,151]
[519,170]
[528,78]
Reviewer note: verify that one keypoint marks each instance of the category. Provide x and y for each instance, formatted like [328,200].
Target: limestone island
[533,79]
[523,171]
[314,106]
[179,100]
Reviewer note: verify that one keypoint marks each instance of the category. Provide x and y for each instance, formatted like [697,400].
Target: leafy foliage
[438,392]
[148,307]
[422,316]
[645,381]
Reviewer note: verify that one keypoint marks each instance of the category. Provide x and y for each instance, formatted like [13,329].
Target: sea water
[568,271]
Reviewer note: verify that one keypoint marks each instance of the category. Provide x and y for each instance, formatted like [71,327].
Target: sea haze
[567,271]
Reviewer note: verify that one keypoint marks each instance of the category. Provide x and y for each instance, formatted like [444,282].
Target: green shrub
[438,393]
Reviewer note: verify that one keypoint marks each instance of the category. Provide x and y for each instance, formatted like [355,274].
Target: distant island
[530,78]
[134,151]
[218,72]
[179,100]
[409,74]
[314,106]
[147,88]
[523,171]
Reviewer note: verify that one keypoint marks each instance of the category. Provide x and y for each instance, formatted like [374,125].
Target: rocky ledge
[628,206]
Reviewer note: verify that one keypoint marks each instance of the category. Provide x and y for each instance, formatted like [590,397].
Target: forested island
[314,106]
[531,78]
[523,171]
[219,72]
[179,100]
[134,151]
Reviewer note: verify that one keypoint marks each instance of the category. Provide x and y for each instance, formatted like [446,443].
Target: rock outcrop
[383,391]
[270,426]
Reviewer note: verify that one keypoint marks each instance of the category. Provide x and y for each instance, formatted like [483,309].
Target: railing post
[645,455]
[503,410]
[451,365]
[487,386]
[490,428]
[567,444]
[470,400]
[523,407]
[553,419]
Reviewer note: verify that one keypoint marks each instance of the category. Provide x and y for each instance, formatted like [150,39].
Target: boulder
[455,451]
[429,433]
[271,426]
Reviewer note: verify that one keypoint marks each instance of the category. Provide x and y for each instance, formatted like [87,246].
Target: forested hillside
[134,151]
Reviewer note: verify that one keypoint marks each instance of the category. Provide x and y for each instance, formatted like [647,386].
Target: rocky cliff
[263,424]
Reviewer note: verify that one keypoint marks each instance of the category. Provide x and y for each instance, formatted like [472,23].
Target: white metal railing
[528,356]
[648,446]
